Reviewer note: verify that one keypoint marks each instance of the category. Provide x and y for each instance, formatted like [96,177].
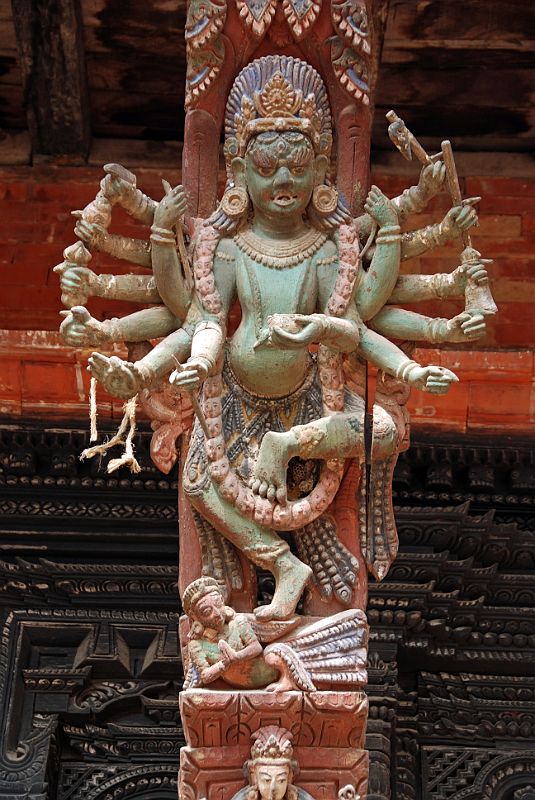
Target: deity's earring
[235,202]
[325,200]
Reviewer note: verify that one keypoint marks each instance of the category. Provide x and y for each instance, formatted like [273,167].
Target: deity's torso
[264,290]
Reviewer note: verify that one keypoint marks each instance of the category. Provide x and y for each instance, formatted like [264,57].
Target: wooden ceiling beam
[52,60]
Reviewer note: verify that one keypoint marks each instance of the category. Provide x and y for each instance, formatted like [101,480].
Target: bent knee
[385,433]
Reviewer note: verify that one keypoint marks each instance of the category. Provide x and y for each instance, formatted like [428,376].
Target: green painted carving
[319,293]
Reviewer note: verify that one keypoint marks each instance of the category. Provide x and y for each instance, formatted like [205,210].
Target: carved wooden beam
[51,52]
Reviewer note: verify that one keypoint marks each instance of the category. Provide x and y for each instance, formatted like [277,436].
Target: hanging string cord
[128,422]
[128,458]
[93,410]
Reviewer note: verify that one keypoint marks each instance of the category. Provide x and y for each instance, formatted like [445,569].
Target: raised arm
[124,193]
[173,286]
[411,200]
[136,251]
[377,283]
[414,199]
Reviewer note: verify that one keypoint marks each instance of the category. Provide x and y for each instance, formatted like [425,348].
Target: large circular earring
[325,200]
[235,202]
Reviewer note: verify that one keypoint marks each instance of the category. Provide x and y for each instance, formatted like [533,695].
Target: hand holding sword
[478,296]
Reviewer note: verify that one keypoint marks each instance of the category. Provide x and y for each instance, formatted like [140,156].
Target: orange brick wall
[39,376]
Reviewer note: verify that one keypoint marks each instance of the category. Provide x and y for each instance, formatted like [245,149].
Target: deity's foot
[269,474]
[291,576]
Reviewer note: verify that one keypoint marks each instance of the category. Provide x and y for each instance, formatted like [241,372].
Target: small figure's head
[271,768]
[204,604]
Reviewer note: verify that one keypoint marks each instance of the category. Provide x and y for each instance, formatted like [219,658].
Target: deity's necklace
[280,254]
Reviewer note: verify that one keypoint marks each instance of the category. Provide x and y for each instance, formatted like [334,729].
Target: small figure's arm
[251,650]
[208,672]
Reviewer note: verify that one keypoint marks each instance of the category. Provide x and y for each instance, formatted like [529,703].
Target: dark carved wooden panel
[89,662]
[464,70]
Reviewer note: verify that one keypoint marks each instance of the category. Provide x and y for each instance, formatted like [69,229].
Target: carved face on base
[272,780]
[280,171]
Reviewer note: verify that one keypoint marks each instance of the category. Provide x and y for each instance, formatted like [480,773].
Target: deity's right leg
[261,546]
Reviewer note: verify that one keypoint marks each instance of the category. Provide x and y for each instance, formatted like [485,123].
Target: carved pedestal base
[328,731]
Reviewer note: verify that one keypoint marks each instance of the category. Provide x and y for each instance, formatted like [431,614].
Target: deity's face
[280,172]
[272,780]
[209,611]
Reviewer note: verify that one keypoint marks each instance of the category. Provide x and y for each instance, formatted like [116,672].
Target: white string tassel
[128,458]
[93,410]
[118,438]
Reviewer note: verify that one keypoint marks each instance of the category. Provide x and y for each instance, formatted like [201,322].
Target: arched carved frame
[502,777]
[138,783]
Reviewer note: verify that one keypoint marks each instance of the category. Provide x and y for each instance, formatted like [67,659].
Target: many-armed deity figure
[279,399]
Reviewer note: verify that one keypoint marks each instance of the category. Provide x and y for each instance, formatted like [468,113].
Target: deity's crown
[197,589]
[277,93]
[272,744]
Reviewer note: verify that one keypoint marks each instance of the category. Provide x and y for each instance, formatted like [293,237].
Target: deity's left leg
[336,436]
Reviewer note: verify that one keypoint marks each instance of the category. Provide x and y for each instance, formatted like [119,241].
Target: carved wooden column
[382,693]
[341,40]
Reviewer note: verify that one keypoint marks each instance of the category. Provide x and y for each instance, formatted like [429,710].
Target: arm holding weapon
[457,221]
